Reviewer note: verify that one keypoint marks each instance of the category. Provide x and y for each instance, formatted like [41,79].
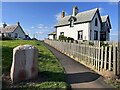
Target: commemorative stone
[25,63]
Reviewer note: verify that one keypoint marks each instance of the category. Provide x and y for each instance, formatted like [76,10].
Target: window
[96,22]
[80,35]
[9,34]
[90,34]
[61,33]
[95,35]
[16,35]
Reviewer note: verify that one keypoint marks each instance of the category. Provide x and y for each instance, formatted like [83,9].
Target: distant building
[53,35]
[87,25]
[12,31]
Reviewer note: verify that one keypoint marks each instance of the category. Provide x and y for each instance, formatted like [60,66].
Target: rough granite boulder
[25,63]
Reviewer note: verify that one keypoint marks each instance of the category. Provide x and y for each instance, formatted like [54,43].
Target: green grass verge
[114,83]
[49,66]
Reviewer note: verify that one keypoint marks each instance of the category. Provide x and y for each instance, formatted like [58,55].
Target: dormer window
[96,22]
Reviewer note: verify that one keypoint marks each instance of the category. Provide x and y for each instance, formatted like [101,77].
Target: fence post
[102,50]
[118,58]
[110,59]
[105,61]
[98,58]
[114,59]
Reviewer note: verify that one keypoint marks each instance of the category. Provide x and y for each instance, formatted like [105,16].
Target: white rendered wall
[73,31]
[19,32]
[50,37]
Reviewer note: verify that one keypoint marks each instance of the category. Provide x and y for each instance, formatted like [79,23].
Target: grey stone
[25,63]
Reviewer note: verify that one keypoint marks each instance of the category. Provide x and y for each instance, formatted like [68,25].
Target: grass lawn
[51,73]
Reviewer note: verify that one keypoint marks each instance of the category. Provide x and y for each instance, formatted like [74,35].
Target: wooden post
[118,59]
[105,60]
[110,59]
[114,59]
[102,50]
[98,58]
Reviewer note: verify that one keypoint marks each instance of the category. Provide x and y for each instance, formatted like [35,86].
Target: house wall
[73,31]
[105,29]
[50,37]
[107,33]
[95,28]
[20,33]
[88,29]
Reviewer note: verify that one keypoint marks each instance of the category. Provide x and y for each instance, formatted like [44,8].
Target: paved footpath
[79,76]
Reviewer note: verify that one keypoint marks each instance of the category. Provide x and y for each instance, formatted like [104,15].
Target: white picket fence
[101,58]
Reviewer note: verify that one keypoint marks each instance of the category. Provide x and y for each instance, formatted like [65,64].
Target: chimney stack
[63,14]
[4,25]
[75,11]
[18,23]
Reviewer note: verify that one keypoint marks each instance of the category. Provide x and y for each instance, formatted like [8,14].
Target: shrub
[91,43]
[62,37]
[70,39]
[34,39]
[103,44]
[6,38]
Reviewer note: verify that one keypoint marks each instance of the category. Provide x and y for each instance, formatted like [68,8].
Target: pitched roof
[86,15]
[8,29]
[104,18]
[63,21]
[53,33]
[81,17]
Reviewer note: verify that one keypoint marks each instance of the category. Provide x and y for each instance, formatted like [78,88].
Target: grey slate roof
[8,29]
[53,33]
[63,21]
[81,17]
[104,18]
[86,15]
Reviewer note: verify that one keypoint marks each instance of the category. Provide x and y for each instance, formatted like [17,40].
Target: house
[12,31]
[53,35]
[87,25]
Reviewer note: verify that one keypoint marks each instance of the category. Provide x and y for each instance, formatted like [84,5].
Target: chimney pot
[4,25]
[63,14]
[18,23]
[75,10]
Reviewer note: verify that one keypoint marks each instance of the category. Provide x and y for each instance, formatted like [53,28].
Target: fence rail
[103,58]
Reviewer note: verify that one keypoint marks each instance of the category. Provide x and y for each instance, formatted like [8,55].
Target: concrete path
[79,76]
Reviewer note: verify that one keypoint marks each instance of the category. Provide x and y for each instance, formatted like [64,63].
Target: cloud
[114,34]
[40,31]
[1,24]
[113,2]
[101,10]
[32,27]
[58,16]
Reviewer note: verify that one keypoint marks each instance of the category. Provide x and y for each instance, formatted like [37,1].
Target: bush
[103,44]
[62,37]
[34,39]
[6,38]
[91,43]
[70,39]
